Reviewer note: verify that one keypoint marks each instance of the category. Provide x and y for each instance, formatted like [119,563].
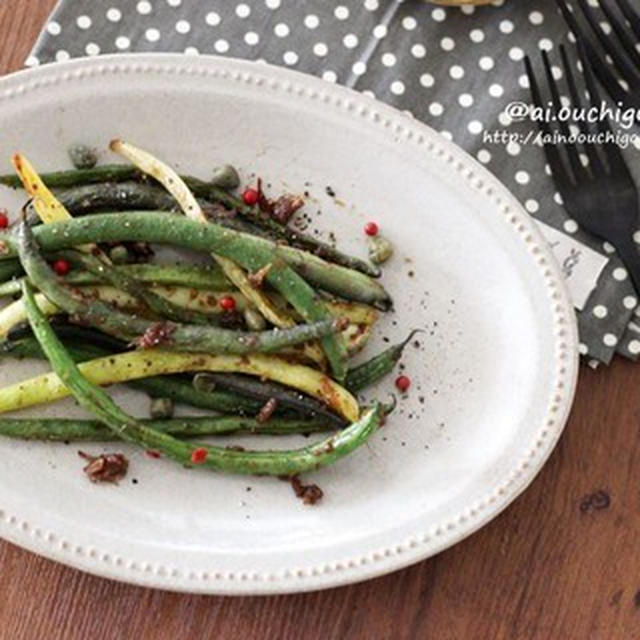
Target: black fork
[620,46]
[596,186]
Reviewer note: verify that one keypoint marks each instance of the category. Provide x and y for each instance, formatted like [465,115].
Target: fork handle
[630,254]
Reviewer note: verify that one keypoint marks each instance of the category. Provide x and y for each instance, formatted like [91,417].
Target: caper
[119,254]
[82,156]
[225,177]
[161,408]
[203,383]
[380,249]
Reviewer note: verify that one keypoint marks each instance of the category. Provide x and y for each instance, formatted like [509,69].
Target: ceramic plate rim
[348,104]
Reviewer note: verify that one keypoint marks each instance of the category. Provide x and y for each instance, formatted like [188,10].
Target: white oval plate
[493,379]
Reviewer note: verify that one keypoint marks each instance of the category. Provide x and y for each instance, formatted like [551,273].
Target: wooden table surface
[562,562]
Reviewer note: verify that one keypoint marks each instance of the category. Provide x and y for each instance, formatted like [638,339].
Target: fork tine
[562,178]
[615,159]
[572,150]
[621,31]
[633,18]
[592,153]
[592,87]
[617,54]
[606,76]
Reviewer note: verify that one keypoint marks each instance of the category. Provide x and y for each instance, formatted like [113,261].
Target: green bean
[86,199]
[70,430]
[265,391]
[95,175]
[176,387]
[218,214]
[122,280]
[181,391]
[372,370]
[11,287]
[9,269]
[126,196]
[184,337]
[278,463]
[123,196]
[74,177]
[254,320]
[249,251]
[208,277]
[99,343]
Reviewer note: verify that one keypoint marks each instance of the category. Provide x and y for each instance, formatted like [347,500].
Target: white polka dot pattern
[455,68]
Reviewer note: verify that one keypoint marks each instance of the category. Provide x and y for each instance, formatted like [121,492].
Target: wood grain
[559,563]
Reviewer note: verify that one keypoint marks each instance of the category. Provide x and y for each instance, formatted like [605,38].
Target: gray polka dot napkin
[457,69]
